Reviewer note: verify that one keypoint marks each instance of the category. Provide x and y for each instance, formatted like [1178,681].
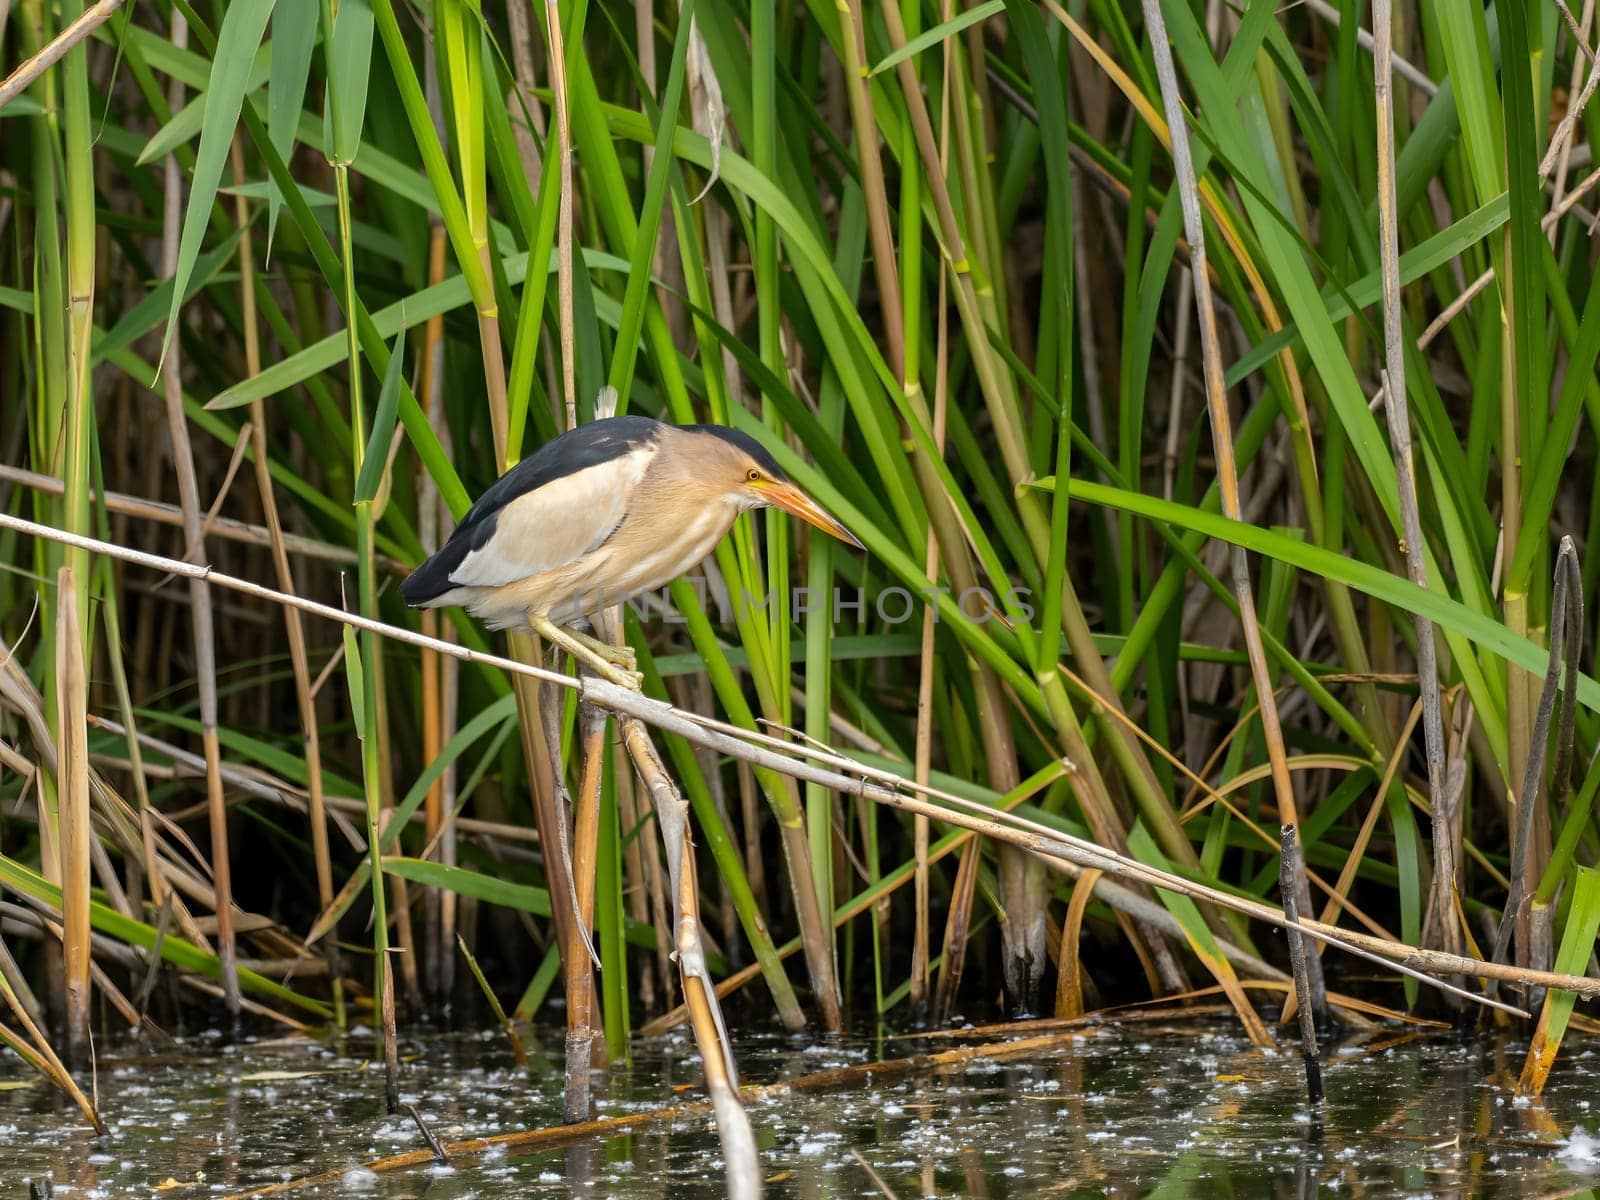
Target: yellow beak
[795,502]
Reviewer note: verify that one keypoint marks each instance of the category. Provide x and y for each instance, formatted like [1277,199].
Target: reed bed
[1213,386]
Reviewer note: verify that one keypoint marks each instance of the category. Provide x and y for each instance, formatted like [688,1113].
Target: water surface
[1178,1108]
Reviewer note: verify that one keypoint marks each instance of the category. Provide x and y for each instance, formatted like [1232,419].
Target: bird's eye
[753,475]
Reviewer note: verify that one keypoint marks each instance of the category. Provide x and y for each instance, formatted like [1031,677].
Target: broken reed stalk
[953,947]
[1555,1014]
[72,812]
[743,1170]
[1298,955]
[1442,927]
[205,652]
[435,1146]
[512,1037]
[1069,965]
[1566,641]
[799,761]
[1226,468]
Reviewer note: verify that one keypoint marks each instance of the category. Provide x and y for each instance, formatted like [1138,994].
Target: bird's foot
[616,664]
[615,671]
[621,658]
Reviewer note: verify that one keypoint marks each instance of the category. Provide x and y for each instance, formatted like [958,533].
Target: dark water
[1175,1109]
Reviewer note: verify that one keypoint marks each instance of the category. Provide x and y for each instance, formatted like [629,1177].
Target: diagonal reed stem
[1227,471]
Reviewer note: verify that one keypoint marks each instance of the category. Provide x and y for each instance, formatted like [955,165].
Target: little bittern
[604,512]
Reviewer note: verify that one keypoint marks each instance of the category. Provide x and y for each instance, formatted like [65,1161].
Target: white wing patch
[556,524]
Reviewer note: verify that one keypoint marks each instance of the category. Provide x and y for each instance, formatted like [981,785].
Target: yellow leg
[603,659]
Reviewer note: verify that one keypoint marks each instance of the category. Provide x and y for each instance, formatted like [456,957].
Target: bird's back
[576,450]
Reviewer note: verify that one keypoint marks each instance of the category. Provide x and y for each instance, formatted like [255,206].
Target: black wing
[576,450]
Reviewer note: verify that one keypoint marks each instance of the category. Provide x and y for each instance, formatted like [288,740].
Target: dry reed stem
[1542,1051]
[573,931]
[1558,154]
[578,961]
[743,1169]
[858,90]
[72,811]
[923,751]
[436,939]
[1547,223]
[170,514]
[549,792]
[1299,958]
[1441,926]
[635,883]
[847,777]
[92,18]
[294,626]
[1069,966]
[1301,426]
[1165,1008]
[199,592]
[1226,470]
[1566,630]
[953,949]
[391,1052]
[1024,932]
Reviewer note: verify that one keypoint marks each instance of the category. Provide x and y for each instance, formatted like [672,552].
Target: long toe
[626,677]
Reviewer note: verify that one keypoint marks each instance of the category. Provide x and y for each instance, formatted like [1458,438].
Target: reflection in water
[1172,1110]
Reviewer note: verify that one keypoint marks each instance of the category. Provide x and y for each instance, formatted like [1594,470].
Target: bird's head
[747,475]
